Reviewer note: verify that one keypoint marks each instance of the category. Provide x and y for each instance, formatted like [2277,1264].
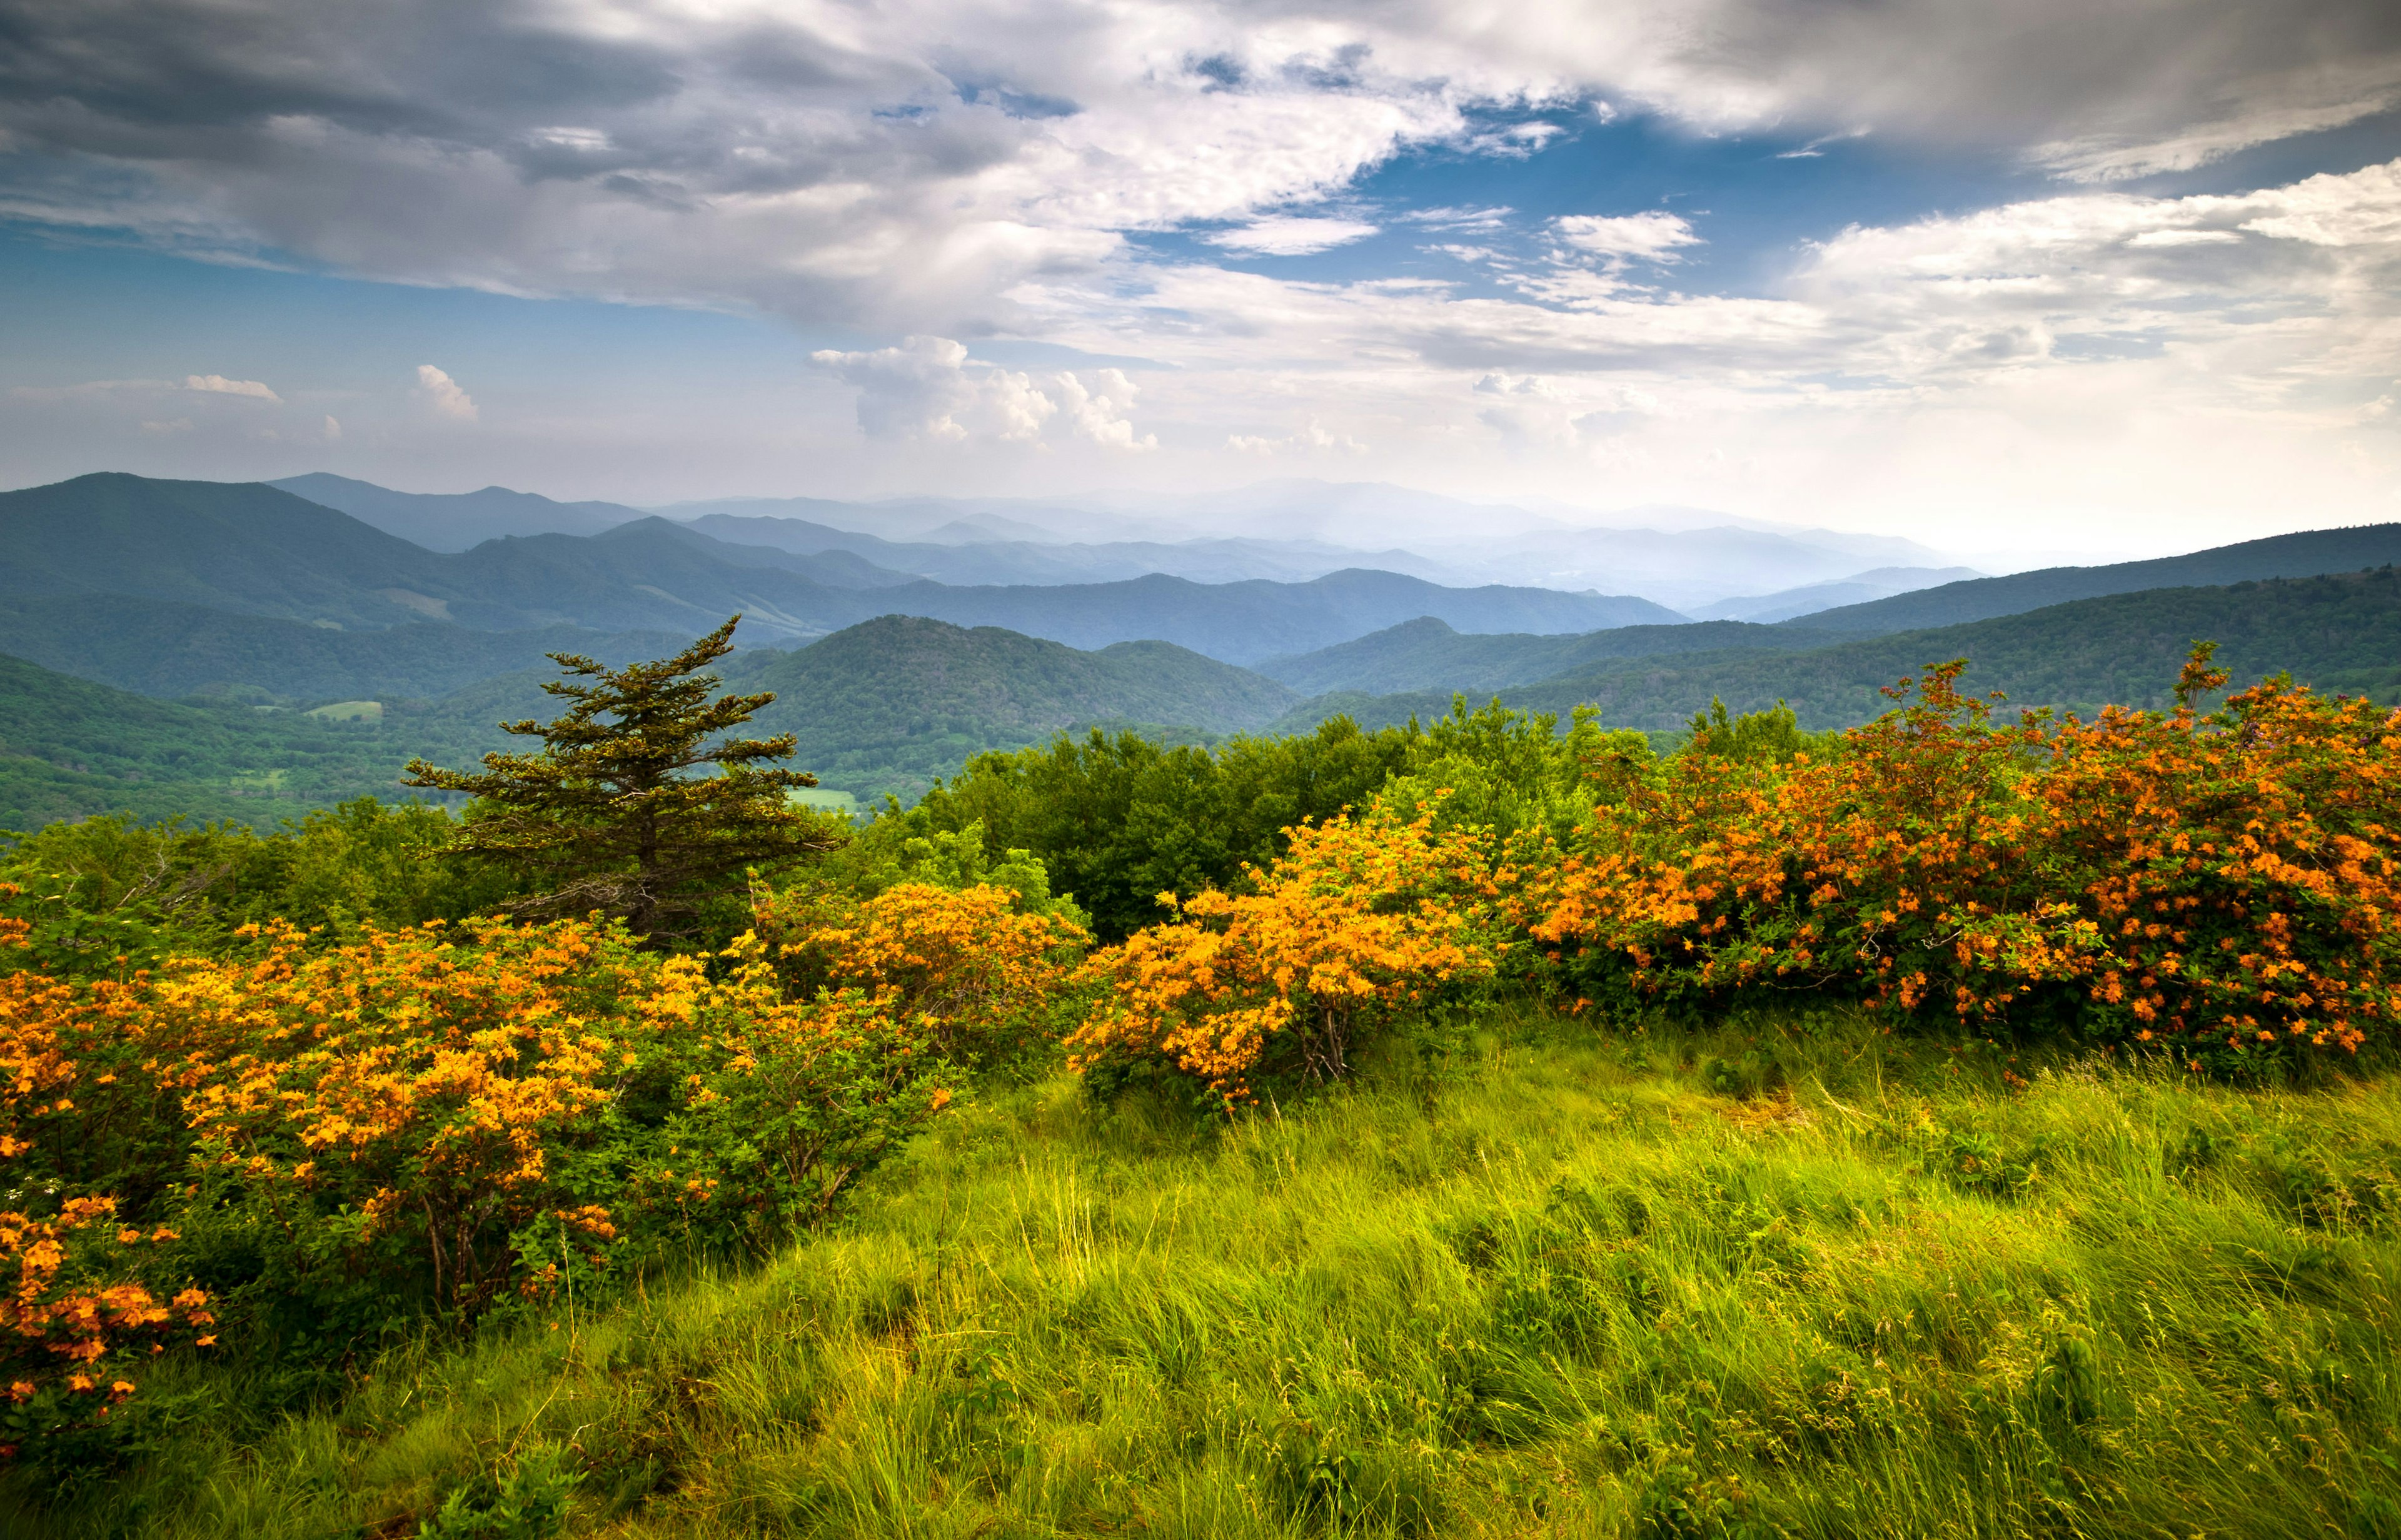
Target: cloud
[1098,409]
[912,167]
[443,393]
[220,385]
[2086,352]
[2262,109]
[1465,220]
[1314,438]
[945,169]
[1647,236]
[333,428]
[1290,235]
[927,388]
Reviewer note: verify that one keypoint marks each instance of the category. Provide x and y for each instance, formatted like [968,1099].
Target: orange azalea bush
[444,1117]
[72,1312]
[404,1096]
[972,967]
[2229,880]
[72,1320]
[791,1101]
[2242,879]
[1364,917]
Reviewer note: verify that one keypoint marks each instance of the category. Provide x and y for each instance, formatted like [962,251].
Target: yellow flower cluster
[1362,916]
[2228,882]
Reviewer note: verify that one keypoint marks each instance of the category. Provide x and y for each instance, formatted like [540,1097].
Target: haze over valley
[348,628]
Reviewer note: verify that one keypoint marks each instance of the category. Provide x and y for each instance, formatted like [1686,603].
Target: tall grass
[1806,1281]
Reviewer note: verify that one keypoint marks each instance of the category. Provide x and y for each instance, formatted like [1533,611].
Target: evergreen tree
[610,816]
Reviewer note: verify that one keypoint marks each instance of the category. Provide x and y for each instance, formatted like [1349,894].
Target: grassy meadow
[1793,1277]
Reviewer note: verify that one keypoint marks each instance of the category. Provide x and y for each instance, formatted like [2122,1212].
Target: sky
[2107,276]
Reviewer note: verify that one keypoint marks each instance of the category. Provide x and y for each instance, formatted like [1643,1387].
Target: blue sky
[2071,276]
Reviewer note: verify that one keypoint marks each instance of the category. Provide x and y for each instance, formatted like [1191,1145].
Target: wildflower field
[1963,1125]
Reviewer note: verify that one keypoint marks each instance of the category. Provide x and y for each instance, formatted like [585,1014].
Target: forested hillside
[884,706]
[2341,631]
[70,748]
[2303,555]
[176,650]
[1426,654]
[890,705]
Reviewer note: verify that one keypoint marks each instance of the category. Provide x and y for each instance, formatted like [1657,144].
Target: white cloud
[1098,409]
[908,167]
[936,168]
[1292,235]
[220,385]
[444,395]
[1314,439]
[1462,220]
[927,388]
[2156,238]
[1652,236]
[333,428]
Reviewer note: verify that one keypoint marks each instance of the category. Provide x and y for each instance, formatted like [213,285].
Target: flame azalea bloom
[1362,918]
[440,1096]
[2234,878]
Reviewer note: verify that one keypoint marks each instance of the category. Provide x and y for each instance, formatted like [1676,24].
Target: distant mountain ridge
[1426,654]
[993,562]
[253,550]
[2338,631]
[1817,598]
[1288,530]
[455,521]
[1245,621]
[2307,553]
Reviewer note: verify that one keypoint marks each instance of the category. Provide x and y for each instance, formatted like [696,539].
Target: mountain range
[304,654]
[2338,631]
[262,552]
[1282,532]
[2303,555]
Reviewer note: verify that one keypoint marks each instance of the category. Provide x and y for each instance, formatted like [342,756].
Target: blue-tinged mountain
[985,562]
[180,651]
[455,521]
[2304,555]
[251,549]
[254,550]
[2337,632]
[1811,598]
[233,546]
[1245,623]
[1427,654]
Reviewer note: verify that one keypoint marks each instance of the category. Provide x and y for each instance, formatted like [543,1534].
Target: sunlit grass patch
[1756,1282]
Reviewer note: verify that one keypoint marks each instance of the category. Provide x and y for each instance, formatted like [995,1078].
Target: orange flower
[1360,919]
